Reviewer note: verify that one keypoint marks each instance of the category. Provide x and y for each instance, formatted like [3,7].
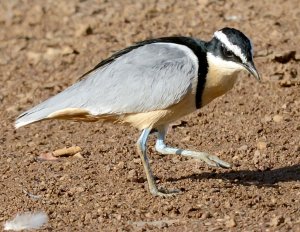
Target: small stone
[66,164]
[78,155]
[206,215]
[83,30]
[186,139]
[277,118]
[51,53]
[79,189]
[118,217]
[132,174]
[261,145]
[36,13]
[88,217]
[230,223]
[276,76]
[267,118]
[67,50]
[276,221]
[256,157]
[64,177]
[47,157]
[175,159]
[108,168]
[137,161]
[243,148]
[148,215]
[273,200]
[236,157]
[257,153]
[34,57]
[227,204]
[121,165]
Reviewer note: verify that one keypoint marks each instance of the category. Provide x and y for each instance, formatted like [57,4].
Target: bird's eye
[227,53]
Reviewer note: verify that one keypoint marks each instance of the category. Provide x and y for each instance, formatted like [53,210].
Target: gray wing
[151,77]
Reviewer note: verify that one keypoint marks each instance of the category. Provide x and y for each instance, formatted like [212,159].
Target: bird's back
[150,77]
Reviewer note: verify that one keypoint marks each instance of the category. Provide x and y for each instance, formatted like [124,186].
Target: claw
[218,161]
[211,160]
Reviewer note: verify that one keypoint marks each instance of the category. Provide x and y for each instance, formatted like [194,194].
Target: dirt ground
[47,45]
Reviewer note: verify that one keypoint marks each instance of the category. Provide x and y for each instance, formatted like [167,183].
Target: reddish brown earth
[46,45]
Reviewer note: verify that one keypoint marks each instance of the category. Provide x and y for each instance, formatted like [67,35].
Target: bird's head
[231,50]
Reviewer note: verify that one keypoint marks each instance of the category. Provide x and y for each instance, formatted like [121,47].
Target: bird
[151,84]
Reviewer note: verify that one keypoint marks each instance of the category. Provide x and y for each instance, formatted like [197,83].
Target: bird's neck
[220,78]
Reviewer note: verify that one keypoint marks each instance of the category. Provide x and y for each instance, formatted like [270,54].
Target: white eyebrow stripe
[234,48]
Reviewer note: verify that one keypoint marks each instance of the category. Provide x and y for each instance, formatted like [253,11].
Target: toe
[218,162]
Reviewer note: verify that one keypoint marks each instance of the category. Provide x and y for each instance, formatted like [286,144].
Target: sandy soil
[46,45]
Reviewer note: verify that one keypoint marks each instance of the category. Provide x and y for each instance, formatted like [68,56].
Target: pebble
[83,30]
[261,145]
[186,139]
[137,160]
[67,163]
[80,189]
[206,215]
[121,165]
[118,217]
[273,200]
[230,223]
[267,118]
[227,204]
[175,159]
[236,157]
[108,168]
[148,215]
[276,221]
[243,148]
[276,76]
[132,174]
[51,53]
[277,118]
[256,157]
[33,57]
[66,50]
[78,155]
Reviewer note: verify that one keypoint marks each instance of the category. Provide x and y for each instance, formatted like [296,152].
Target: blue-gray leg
[141,148]
[207,158]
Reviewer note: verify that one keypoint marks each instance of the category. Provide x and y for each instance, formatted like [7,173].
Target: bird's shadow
[268,178]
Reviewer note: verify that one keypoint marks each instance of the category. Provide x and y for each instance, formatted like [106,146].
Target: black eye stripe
[227,52]
[229,55]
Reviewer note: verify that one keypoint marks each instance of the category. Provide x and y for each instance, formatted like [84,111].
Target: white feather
[26,221]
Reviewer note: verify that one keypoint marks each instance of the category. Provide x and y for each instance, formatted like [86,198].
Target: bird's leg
[161,147]
[141,148]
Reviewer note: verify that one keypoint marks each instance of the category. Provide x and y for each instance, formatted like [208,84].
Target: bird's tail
[60,106]
[35,114]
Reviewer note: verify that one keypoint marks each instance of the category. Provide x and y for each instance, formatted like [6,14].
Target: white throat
[220,78]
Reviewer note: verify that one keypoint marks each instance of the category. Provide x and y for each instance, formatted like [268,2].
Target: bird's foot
[211,160]
[162,192]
